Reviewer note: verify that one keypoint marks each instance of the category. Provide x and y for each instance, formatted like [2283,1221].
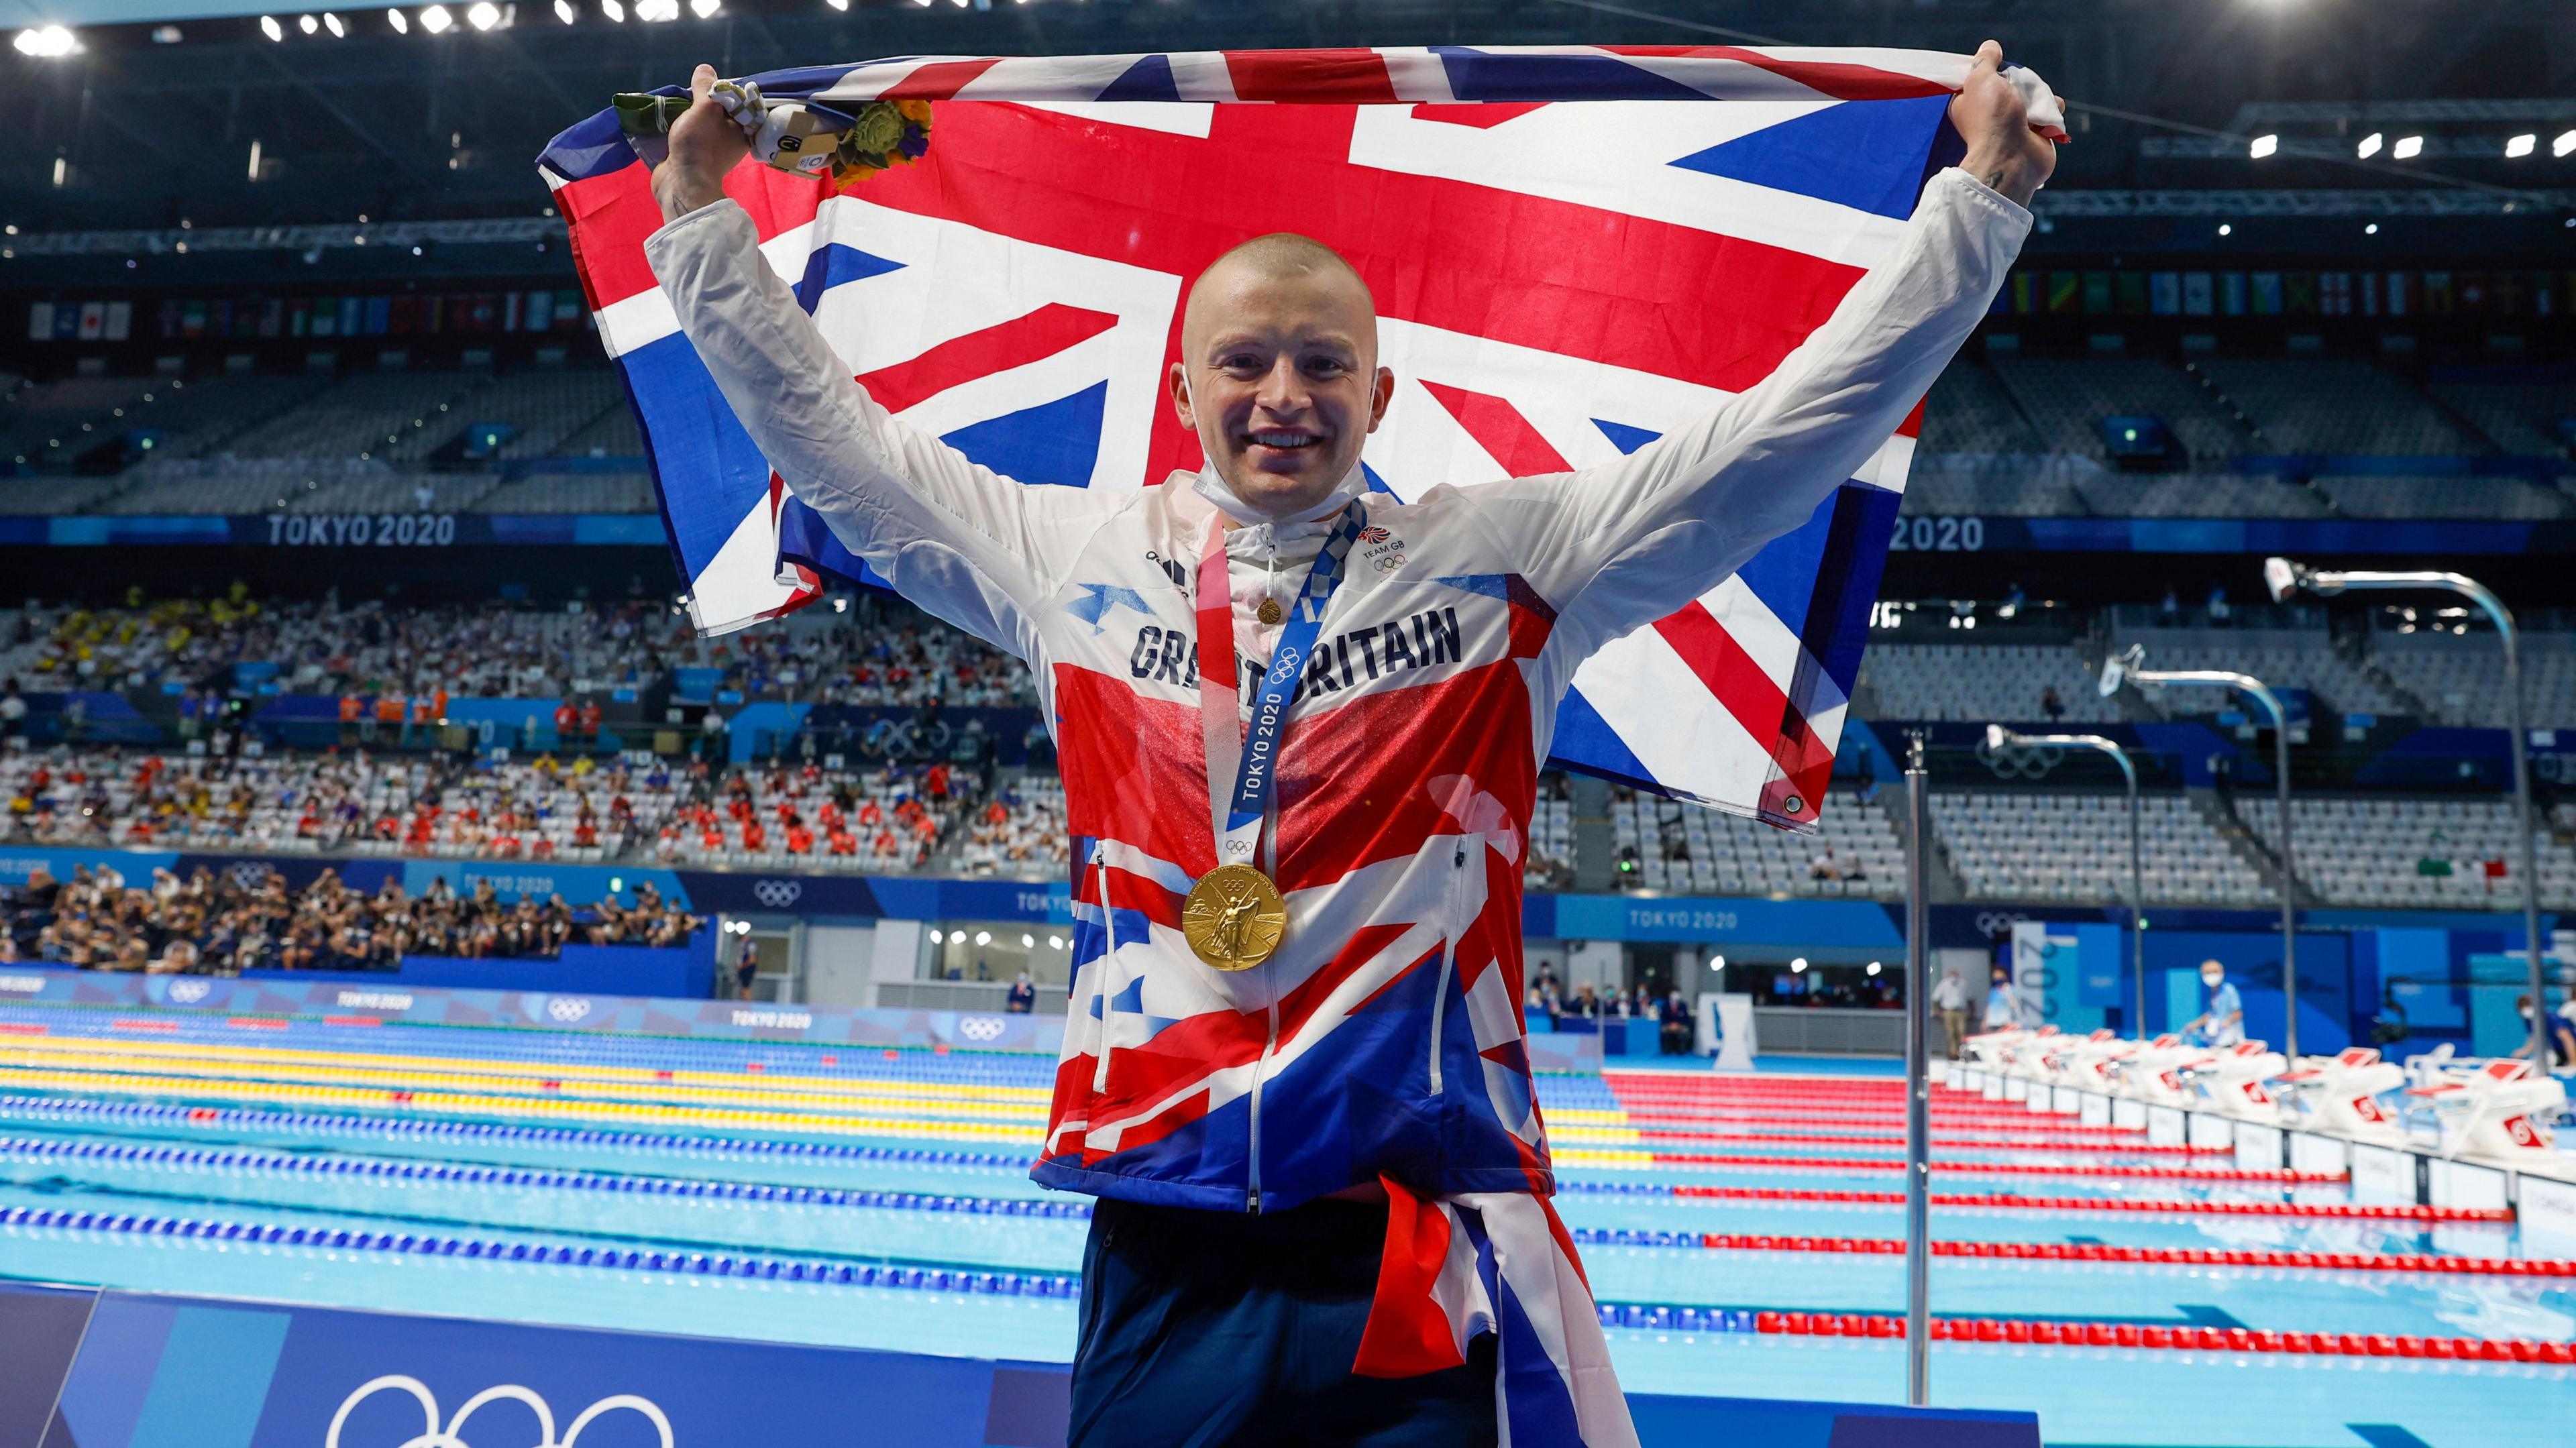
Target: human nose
[1283,389]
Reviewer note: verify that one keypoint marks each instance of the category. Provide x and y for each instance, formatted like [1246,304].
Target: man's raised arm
[956,538]
[1619,546]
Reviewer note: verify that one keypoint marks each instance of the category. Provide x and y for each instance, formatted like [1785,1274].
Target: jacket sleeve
[963,542]
[1618,546]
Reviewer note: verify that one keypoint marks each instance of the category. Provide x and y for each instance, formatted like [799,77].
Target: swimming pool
[1739,1228]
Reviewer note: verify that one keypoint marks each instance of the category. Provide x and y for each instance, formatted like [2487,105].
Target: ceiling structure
[170,116]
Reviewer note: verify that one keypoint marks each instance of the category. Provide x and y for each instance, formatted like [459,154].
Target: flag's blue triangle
[1149,79]
[1863,154]
[1623,437]
[1586,741]
[829,266]
[1054,442]
[1376,483]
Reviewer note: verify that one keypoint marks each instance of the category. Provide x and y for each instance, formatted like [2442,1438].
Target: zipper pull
[1459,860]
[1252,1201]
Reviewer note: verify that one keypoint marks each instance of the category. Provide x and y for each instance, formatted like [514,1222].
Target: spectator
[1024,996]
[2002,1011]
[1950,998]
[1673,1016]
[2051,707]
[746,968]
[2223,1022]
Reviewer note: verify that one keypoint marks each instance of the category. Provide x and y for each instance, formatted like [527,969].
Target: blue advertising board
[121,1369]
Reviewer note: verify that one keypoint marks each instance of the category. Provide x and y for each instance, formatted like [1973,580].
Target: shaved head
[1278,372]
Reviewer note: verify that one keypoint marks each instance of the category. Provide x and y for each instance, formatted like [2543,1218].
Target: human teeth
[1281,439]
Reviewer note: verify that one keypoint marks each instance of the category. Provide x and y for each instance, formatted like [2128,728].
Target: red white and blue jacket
[1384,1039]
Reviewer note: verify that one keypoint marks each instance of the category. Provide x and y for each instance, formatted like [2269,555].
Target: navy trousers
[1202,1329]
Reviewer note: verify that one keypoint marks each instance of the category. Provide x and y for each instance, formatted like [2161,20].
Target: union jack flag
[1565,264]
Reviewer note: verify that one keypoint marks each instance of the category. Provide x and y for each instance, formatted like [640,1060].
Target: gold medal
[1269,613]
[1234,918]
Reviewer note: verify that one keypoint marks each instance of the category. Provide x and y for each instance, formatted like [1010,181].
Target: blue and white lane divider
[379,1169]
[65,1109]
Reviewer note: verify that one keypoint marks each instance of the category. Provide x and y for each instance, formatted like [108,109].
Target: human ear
[1381,392]
[1179,384]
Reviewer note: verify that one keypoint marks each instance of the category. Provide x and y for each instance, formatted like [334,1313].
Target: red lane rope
[2188,1339]
[2147,1173]
[1970,1143]
[2329,1211]
[2154,1256]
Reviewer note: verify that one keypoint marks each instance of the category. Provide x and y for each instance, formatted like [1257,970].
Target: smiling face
[1278,372]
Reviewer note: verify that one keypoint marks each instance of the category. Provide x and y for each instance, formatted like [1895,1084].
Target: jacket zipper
[1448,959]
[1108,960]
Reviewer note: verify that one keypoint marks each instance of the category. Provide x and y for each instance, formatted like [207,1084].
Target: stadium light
[1798,966]
[269,27]
[2565,143]
[614,11]
[307,23]
[2224,229]
[483,14]
[1874,966]
[2371,230]
[844,5]
[983,937]
[331,22]
[46,42]
[254,158]
[2131,668]
[1028,942]
[2520,146]
[2407,148]
[436,20]
[2284,577]
[704,9]
[2370,145]
[399,21]
[565,13]
[656,11]
[2263,146]
[1999,738]
[938,939]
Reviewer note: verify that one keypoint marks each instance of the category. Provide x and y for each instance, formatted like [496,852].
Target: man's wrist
[2006,175]
[681,192]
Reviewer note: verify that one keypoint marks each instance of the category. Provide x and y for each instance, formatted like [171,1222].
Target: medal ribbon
[1242,761]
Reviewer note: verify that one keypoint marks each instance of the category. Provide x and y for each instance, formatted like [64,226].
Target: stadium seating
[1969,411]
[2336,405]
[2068,398]
[2217,495]
[1684,849]
[2444,497]
[1020,832]
[570,493]
[2521,412]
[2413,852]
[2282,658]
[2460,679]
[1980,683]
[2065,846]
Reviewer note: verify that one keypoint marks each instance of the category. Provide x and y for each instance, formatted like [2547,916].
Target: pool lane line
[389,1170]
[2325,1211]
[2133,1173]
[351,1125]
[1067,1286]
[708,1189]
[72,1109]
[490,1105]
[1648,1131]
[2381,1262]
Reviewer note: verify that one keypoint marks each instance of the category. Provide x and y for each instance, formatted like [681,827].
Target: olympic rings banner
[138,1370]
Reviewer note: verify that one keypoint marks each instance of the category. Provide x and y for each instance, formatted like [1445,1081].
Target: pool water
[125,1141]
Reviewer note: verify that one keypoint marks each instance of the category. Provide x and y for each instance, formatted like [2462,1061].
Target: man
[1295,1048]
[2223,1023]
[1950,998]
[2003,1011]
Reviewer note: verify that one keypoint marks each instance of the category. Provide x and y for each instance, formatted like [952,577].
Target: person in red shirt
[800,840]
[935,783]
[585,835]
[506,844]
[830,815]
[590,722]
[567,722]
[754,838]
[710,838]
[543,849]
[843,842]
[350,709]
[870,816]
[996,814]
[884,844]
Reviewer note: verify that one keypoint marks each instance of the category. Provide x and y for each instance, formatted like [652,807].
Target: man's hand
[705,143]
[2003,150]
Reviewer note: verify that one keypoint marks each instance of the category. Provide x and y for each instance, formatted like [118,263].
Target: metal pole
[2137,892]
[2282,871]
[1998,735]
[2284,577]
[1918,1081]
